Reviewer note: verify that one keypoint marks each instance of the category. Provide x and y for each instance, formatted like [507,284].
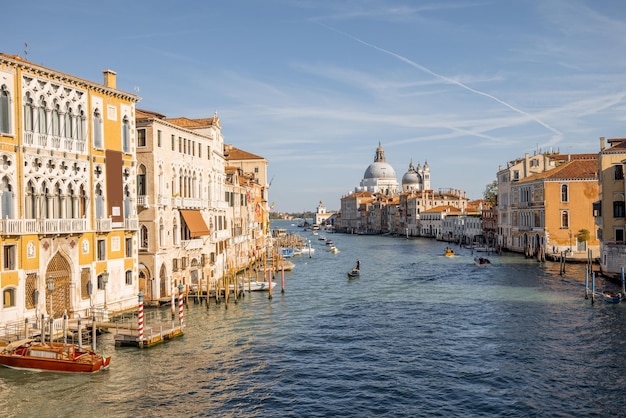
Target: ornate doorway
[60,274]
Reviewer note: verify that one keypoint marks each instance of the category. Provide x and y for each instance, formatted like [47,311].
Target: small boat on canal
[354,273]
[482,261]
[28,354]
[611,297]
[449,252]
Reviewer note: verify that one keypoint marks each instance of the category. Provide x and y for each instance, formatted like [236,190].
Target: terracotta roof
[575,169]
[147,114]
[232,153]
[446,208]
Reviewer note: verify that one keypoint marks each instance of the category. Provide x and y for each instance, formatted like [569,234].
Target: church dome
[380,169]
[411,177]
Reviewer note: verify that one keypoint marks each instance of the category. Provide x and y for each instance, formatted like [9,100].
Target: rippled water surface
[418,334]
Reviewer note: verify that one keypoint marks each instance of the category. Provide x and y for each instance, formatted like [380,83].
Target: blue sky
[315,85]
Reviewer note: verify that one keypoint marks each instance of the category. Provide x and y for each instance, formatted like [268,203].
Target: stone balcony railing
[60,226]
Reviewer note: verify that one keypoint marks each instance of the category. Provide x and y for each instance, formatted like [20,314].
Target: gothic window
[97,129]
[175,232]
[56,120]
[143,237]
[80,124]
[31,201]
[161,234]
[125,135]
[69,122]
[42,117]
[127,203]
[141,181]
[7,198]
[5,114]
[58,199]
[99,203]
[564,193]
[29,114]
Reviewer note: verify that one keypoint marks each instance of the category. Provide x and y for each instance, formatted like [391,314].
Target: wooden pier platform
[128,336]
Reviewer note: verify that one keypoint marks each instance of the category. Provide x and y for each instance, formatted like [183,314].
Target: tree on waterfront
[491,192]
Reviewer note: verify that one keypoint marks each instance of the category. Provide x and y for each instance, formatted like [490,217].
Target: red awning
[195,223]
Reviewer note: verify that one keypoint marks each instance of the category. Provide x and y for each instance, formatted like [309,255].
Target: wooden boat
[449,252]
[55,357]
[482,261]
[611,297]
[354,273]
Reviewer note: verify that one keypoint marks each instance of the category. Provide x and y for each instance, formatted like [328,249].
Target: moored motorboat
[55,357]
[611,297]
[256,286]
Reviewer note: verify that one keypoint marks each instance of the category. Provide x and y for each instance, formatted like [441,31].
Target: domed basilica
[380,177]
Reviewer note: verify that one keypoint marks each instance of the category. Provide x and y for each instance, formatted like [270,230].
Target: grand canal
[418,334]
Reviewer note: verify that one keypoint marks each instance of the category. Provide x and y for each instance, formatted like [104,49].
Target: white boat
[333,249]
[307,250]
[258,286]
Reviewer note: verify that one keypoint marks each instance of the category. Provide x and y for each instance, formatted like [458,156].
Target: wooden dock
[128,336]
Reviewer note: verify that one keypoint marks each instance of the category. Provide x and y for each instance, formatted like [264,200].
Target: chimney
[602,143]
[110,78]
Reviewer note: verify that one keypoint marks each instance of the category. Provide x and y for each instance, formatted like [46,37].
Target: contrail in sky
[446,79]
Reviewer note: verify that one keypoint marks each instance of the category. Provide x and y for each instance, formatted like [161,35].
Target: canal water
[418,334]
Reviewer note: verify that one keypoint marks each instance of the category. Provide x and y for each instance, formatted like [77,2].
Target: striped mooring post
[180,304]
[140,319]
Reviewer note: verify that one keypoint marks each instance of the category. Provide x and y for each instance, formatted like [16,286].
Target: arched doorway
[145,282]
[60,273]
[163,282]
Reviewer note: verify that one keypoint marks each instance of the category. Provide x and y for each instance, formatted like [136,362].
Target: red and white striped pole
[180,305]
[140,319]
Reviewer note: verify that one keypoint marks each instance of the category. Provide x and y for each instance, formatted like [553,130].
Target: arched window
[42,117]
[69,122]
[29,114]
[126,134]
[82,203]
[7,198]
[80,124]
[141,181]
[71,203]
[31,201]
[565,219]
[58,199]
[127,203]
[564,193]
[8,298]
[5,114]
[143,237]
[97,129]
[99,203]
[56,120]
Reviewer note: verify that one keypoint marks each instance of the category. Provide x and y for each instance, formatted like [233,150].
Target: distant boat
[482,261]
[354,273]
[54,357]
[333,249]
[449,252]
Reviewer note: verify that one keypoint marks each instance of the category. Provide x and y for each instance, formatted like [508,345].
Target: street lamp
[105,280]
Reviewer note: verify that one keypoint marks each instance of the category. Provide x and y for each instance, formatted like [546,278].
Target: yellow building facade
[69,225]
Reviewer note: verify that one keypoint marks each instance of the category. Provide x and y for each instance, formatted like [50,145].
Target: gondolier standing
[358,264]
